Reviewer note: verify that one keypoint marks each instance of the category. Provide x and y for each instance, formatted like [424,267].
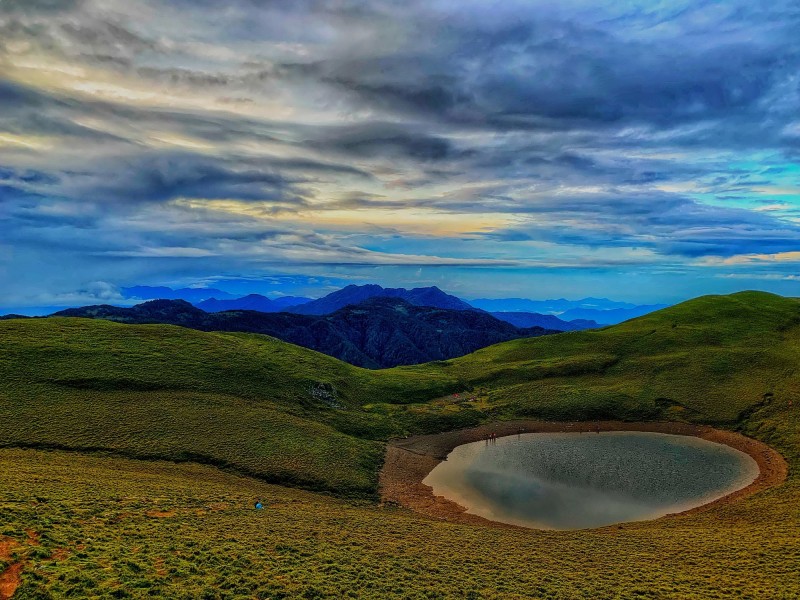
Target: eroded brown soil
[10,577]
[161,514]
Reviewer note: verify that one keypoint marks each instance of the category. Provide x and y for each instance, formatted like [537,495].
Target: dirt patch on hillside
[161,514]
[7,546]
[158,563]
[59,554]
[10,580]
[409,460]
[10,577]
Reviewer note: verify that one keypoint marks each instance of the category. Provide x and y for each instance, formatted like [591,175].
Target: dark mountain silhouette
[526,319]
[252,302]
[173,312]
[355,294]
[380,332]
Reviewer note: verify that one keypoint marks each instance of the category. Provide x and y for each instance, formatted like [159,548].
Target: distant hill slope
[611,316]
[379,332]
[526,319]
[251,302]
[601,311]
[552,306]
[292,415]
[13,316]
[355,294]
[253,403]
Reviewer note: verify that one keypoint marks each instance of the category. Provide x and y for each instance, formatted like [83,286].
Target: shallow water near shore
[582,480]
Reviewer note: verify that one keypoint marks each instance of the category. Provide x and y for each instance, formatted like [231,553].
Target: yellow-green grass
[708,360]
[244,402]
[241,401]
[100,536]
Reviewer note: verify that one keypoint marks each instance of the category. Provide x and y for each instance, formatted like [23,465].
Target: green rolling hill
[291,415]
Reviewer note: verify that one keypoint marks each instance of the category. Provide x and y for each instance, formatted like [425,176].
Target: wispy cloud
[763,259]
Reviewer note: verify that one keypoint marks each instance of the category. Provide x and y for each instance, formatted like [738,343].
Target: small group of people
[491,438]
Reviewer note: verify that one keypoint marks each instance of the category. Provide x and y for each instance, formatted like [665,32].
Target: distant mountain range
[378,332]
[600,310]
[555,306]
[252,302]
[560,314]
[146,292]
[526,319]
[214,300]
[610,316]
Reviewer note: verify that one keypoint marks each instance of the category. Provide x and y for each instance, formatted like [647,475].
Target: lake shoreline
[410,460]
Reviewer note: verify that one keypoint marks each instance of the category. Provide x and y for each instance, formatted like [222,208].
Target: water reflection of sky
[579,480]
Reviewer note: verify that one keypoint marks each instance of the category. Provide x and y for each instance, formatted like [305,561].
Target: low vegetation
[107,525]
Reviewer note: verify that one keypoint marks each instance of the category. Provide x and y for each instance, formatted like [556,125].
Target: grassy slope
[309,546]
[707,360]
[727,360]
[176,393]
[245,401]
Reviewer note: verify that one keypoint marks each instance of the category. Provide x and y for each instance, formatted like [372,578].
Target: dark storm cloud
[29,177]
[155,178]
[188,77]
[106,38]
[75,28]
[385,140]
[27,111]
[14,95]
[551,73]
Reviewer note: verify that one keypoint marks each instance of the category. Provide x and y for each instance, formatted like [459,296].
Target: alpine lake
[586,480]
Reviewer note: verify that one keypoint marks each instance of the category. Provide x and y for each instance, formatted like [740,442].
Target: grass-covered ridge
[290,415]
[708,360]
[241,401]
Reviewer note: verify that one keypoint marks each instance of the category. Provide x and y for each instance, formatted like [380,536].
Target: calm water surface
[579,480]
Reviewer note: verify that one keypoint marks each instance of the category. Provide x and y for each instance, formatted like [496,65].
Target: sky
[643,151]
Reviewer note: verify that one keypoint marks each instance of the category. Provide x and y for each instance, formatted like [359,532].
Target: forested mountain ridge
[355,294]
